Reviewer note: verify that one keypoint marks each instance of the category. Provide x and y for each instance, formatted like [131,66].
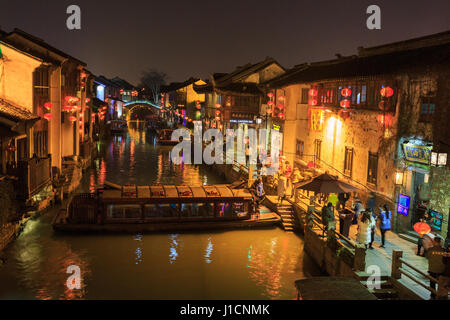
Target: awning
[16,119]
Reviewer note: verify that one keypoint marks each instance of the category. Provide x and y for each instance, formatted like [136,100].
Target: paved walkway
[382,257]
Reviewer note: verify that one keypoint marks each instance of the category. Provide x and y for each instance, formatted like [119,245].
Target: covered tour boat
[162,208]
[165,138]
[118,127]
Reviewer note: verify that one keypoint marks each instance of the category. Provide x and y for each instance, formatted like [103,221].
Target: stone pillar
[396,264]
[54,128]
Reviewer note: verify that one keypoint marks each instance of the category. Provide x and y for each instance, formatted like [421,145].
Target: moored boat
[163,208]
[165,137]
[118,127]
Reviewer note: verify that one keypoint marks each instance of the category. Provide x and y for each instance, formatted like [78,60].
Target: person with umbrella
[421,228]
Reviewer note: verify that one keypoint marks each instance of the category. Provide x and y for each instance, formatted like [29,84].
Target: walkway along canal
[254,264]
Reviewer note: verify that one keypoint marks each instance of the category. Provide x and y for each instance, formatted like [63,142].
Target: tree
[151,81]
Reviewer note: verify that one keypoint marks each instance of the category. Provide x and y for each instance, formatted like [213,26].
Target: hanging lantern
[280,106]
[270,95]
[346,92]
[217,118]
[345,103]
[312,102]
[386,92]
[312,92]
[270,103]
[281,115]
[11,148]
[48,105]
[72,119]
[88,100]
[198,106]
[383,105]
[218,105]
[385,120]
[281,98]
[217,112]
[206,121]
[48,116]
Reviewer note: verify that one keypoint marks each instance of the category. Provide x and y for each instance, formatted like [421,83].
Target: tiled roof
[356,66]
[15,113]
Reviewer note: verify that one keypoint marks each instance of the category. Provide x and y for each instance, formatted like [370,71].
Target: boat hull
[166,227]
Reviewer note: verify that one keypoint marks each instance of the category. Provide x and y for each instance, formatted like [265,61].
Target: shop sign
[416,153]
[276,127]
[436,220]
[403,204]
[241,121]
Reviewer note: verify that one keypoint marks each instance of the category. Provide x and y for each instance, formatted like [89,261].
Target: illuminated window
[427,108]
[299,148]
[372,168]
[348,161]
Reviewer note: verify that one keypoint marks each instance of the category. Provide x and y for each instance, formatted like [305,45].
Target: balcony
[32,175]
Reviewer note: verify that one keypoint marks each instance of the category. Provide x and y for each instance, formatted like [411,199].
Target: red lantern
[47,116]
[218,105]
[72,119]
[385,120]
[88,100]
[270,103]
[217,118]
[345,103]
[280,106]
[383,105]
[270,95]
[281,98]
[281,115]
[386,92]
[422,228]
[198,106]
[312,92]
[217,112]
[346,92]
[11,148]
[48,105]
[312,102]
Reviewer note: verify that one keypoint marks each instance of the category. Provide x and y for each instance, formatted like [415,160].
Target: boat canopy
[174,193]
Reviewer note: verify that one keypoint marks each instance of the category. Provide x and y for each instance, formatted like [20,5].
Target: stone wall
[440,194]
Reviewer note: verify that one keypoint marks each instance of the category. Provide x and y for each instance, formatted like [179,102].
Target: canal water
[248,264]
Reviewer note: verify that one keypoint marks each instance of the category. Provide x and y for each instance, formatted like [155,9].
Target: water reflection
[221,265]
[173,254]
[139,252]
[208,251]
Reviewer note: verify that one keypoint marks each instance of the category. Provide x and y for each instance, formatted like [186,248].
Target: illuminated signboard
[316,119]
[403,204]
[276,127]
[436,220]
[415,153]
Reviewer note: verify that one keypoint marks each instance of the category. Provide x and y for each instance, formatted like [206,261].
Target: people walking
[385,223]
[281,188]
[365,224]
[436,266]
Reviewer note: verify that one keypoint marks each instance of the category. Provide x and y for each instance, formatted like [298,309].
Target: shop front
[412,179]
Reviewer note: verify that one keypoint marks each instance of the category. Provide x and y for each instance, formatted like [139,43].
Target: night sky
[198,37]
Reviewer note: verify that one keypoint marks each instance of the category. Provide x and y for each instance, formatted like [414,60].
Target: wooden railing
[86,149]
[33,175]
[398,270]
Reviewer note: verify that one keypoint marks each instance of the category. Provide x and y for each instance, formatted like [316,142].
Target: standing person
[343,198]
[359,209]
[364,226]
[385,223]
[281,189]
[436,266]
[327,217]
[372,230]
